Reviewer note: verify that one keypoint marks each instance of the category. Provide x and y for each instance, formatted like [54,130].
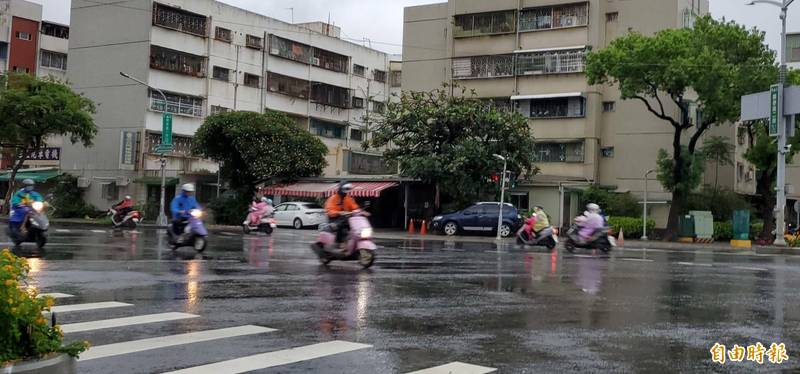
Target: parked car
[479,217]
[299,215]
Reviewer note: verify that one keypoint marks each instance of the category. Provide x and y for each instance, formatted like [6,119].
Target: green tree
[253,148]
[33,110]
[711,65]
[449,140]
[614,204]
[719,150]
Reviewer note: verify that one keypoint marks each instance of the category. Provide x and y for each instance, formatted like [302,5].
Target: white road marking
[694,264]
[637,259]
[63,230]
[98,231]
[750,268]
[277,358]
[456,368]
[89,306]
[56,295]
[133,346]
[127,321]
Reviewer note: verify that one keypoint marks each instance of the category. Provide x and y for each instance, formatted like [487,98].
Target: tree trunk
[766,204]
[679,196]
[716,177]
[16,163]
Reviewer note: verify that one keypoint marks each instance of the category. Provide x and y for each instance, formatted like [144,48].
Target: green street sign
[166,128]
[774,98]
[164,148]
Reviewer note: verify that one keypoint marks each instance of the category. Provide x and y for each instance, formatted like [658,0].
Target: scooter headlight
[196,213]
[37,206]
[366,233]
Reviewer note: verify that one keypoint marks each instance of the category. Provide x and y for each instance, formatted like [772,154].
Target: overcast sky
[382,20]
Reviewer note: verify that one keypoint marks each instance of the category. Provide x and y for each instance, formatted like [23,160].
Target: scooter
[358,247]
[131,220]
[34,229]
[599,240]
[267,225]
[194,233]
[544,238]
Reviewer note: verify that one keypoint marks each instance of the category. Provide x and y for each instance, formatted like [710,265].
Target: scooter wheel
[246,229]
[200,244]
[569,246]
[41,240]
[519,241]
[366,258]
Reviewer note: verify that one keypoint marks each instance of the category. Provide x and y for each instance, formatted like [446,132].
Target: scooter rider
[20,205]
[123,207]
[542,220]
[338,203]
[591,222]
[181,207]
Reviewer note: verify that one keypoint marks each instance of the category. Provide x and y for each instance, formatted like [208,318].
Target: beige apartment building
[529,55]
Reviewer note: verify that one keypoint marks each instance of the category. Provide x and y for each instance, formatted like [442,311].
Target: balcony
[178,104]
[286,85]
[483,67]
[330,95]
[553,106]
[177,62]
[551,61]
[481,24]
[180,20]
[554,17]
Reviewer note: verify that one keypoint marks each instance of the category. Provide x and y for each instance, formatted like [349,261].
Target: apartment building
[209,57]
[529,56]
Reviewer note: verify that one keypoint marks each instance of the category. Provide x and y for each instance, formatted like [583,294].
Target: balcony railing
[181,107]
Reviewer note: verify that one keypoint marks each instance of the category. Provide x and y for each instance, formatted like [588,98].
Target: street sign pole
[780,204]
[164,147]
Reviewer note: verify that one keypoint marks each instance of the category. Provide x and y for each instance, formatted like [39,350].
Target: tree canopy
[450,140]
[253,148]
[709,66]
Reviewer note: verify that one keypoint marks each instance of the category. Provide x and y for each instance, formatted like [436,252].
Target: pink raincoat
[258,210]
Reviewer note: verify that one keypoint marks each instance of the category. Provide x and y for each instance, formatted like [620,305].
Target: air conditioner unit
[84,182]
[123,181]
[314,61]
[275,51]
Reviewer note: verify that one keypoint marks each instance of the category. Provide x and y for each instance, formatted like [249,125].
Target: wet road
[423,304]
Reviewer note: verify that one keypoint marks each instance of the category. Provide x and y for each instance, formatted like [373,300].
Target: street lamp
[502,194]
[644,211]
[162,218]
[780,203]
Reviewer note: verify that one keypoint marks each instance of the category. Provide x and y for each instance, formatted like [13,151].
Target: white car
[300,214]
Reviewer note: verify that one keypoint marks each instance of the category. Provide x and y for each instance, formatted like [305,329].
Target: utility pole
[502,195]
[644,210]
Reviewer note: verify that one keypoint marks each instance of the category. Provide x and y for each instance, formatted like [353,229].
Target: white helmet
[127,197]
[592,208]
[188,187]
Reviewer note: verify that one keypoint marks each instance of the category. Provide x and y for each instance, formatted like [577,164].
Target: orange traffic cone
[411,226]
[621,239]
[423,230]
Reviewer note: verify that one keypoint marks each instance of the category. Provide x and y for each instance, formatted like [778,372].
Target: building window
[252,80]
[378,107]
[554,17]
[358,102]
[56,31]
[223,34]
[330,60]
[23,35]
[222,74]
[216,109]
[290,49]
[559,152]
[612,17]
[177,104]
[181,145]
[607,152]
[177,62]
[551,62]
[609,106]
[520,200]
[328,129]
[739,171]
[558,107]
[110,191]
[179,19]
[356,135]
[252,41]
[379,75]
[467,25]
[327,94]
[483,67]
[21,69]
[793,47]
[3,50]
[359,70]
[287,85]
[53,60]
[396,78]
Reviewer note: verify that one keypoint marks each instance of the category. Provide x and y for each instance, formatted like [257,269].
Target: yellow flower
[50,302]
[41,320]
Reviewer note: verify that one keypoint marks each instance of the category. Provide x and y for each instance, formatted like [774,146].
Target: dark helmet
[345,188]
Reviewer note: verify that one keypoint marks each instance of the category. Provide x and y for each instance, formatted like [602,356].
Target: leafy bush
[68,198]
[229,209]
[612,203]
[24,332]
[720,203]
[631,226]
[723,231]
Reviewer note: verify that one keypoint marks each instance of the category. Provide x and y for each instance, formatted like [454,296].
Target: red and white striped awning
[318,189]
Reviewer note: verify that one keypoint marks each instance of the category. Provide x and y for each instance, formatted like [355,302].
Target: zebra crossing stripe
[456,368]
[133,346]
[122,322]
[55,295]
[277,358]
[88,306]
[99,231]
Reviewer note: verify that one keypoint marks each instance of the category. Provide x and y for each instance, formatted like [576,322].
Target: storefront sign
[46,154]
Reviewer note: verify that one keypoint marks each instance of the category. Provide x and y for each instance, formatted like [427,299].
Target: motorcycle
[267,224]
[544,238]
[131,220]
[194,233]
[34,227]
[358,245]
[600,239]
